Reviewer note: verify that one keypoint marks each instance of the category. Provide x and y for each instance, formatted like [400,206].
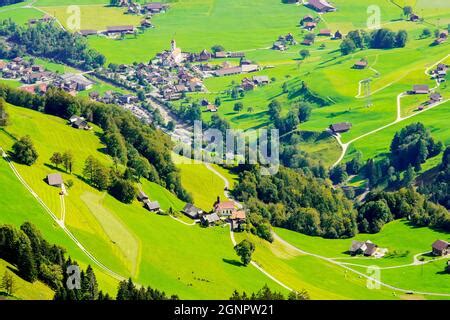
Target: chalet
[152,206]
[224,208]
[236,54]
[340,127]
[440,248]
[55,180]
[141,196]
[307,18]
[260,80]
[191,211]
[146,23]
[325,32]
[120,30]
[307,42]
[321,6]
[337,35]
[80,123]
[211,108]
[361,64]
[367,248]
[435,97]
[246,68]
[420,89]
[443,35]
[155,7]
[279,45]
[220,54]
[247,84]
[210,219]
[237,218]
[309,26]
[204,55]
[414,17]
[87,32]
[228,71]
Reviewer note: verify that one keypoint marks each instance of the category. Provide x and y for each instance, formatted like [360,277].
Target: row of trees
[4,117]
[49,41]
[378,39]
[266,294]
[127,290]
[66,159]
[8,2]
[145,150]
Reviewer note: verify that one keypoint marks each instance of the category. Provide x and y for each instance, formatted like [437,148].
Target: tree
[338,174]
[217,48]
[304,53]
[238,107]
[69,183]
[409,176]
[24,151]
[425,33]
[123,190]
[217,102]
[170,125]
[304,112]
[407,11]
[285,87]
[244,250]
[347,46]
[8,283]
[56,159]
[401,38]
[274,109]
[4,117]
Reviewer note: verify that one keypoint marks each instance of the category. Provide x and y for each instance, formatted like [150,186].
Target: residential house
[141,196]
[309,25]
[307,42]
[361,64]
[192,211]
[247,84]
[367,248]
[325,32]
[261,80]
[87,32]
[237,218]
[111,30]
[211,108]
[210,219]
[440,248]
[224,208]
[321,6]
[228,71]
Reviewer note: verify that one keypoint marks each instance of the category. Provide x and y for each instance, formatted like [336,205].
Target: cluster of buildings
[144,9]
[366,248]
[283,42]
[152,206]
[440,73]
[36,78]
[78,122]
[245,66]
[248,84]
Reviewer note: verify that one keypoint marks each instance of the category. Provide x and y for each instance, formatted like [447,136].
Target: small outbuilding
[192,211]
[152,206]
[55,180]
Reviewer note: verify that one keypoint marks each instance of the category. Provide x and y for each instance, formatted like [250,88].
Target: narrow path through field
[59,222]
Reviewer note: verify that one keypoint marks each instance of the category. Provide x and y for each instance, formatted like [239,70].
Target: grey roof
[142,196]
[119,28]
[421,88]
[54,179]
[371,248]
[211,218]
[191,210]
[356,245]
[342,126]
[260,79]
[152,205]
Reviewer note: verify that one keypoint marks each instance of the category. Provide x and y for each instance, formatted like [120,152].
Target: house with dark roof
[435,97]
[367,248]
[340,127]
[191,211]
[55,180]
[307,42]
[155,7]
[307,18]
[119,29]
[440,248]
[87,32]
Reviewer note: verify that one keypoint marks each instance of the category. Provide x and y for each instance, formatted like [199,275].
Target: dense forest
[8,2]
[144,150]
[296,200]
[48,40]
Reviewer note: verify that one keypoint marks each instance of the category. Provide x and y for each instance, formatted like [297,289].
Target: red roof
[238,215]
[224,205]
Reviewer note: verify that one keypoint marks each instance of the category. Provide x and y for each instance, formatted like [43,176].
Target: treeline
[378,39]
[8,2]
[36,259]
[128,291]
[438,187]
[266,294]
[382,207]
[144,150]
[297,201]
[49,41]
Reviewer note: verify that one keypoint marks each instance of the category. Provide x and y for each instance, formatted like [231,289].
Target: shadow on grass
[233,262]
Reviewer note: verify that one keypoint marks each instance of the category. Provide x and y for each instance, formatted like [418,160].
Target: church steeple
[173,44]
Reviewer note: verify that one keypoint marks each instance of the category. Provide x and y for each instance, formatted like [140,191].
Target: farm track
[59,222]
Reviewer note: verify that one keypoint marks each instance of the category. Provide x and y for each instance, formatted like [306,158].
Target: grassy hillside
[24,290]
